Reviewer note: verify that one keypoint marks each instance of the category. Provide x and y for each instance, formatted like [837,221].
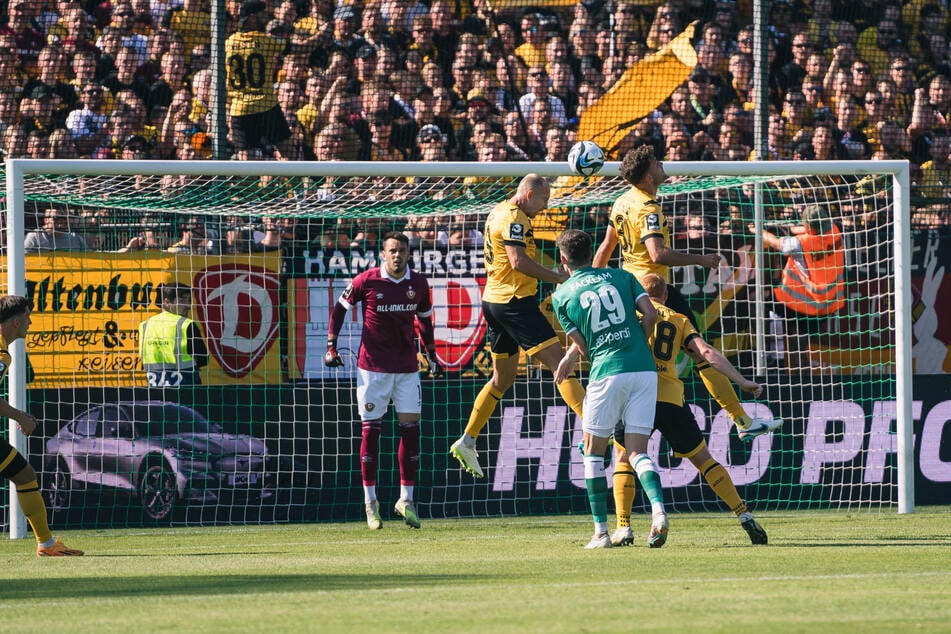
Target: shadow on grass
[198,585]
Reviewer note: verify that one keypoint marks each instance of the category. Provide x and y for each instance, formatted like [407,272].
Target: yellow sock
[572,393]
[719,480]
[624,489]
[722,391]
[482,409]
[31,501]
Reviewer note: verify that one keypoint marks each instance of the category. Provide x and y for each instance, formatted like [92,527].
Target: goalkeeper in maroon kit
[394,299]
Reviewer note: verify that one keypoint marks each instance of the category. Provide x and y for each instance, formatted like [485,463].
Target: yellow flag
[641,88]
[499,5]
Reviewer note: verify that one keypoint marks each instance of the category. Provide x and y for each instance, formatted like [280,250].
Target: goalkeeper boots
[58,549]
[658,534]
[407,510]
[468,457]
[753,529]
[374,522]
[622,536]
[600,540]
[758,427]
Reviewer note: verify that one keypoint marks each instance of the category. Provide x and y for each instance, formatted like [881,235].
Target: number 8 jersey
[252,70]
[601,305]
[672,332]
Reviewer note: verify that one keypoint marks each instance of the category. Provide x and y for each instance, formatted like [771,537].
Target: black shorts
[517,324]
[255,131]
[676,424]
[11,461]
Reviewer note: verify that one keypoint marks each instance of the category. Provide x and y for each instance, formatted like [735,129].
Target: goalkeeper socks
[31,502]
[597,485]
[650,481]
[369,450]
[624,490]
[482,409]
[408,453]
[572,394]
[722,391]
[719,480]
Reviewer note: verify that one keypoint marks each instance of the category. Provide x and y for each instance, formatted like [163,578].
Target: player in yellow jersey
[257,122]
[673,332]
[14,323]
[510,306]
[638,224]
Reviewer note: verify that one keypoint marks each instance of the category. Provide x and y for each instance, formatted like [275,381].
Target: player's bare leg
[504,370]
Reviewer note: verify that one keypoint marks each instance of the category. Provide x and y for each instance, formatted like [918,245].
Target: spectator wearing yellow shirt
[532,49]
[192,23]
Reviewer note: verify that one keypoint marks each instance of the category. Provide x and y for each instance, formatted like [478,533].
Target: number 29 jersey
[251,58]
[601,305]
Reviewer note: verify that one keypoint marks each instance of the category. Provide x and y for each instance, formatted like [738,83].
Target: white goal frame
[898,171]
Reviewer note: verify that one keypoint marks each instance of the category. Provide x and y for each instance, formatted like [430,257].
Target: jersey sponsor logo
[395,308]
[653,222]
[517,231]
[237,305]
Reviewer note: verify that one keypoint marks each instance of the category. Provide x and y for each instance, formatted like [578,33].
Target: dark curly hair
[636,163]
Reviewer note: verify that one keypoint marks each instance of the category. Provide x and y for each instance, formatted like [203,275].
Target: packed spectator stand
[469,80]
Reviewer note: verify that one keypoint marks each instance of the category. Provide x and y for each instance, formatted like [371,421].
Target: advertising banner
[87,309]
[836,449]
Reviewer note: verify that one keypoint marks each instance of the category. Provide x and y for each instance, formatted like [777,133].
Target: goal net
[270,434]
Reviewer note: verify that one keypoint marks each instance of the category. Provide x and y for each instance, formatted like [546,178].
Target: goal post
[839,448]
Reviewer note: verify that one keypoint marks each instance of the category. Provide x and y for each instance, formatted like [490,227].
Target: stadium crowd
[454,80]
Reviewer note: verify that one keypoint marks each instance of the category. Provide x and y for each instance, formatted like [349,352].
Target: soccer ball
[585,158]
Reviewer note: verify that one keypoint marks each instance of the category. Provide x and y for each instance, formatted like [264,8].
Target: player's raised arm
[700,348]
[662,254]
[523,263]
[606,249]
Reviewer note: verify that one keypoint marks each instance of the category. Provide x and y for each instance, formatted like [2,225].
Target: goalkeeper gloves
[435,368]
[332,357]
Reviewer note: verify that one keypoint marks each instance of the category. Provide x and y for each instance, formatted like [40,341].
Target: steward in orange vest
[814,276]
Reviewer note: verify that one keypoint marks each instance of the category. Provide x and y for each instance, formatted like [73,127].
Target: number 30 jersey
[251,58]
[672,332]
[636,217]
[601,305]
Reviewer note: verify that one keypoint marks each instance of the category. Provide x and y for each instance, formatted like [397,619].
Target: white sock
[600,528]
[468,441]
[49,542]
[406,492]
[657,507]
[369,493]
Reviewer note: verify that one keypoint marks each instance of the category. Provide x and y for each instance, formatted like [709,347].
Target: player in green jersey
[597,309]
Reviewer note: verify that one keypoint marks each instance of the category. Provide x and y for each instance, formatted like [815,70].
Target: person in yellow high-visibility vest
[170,344]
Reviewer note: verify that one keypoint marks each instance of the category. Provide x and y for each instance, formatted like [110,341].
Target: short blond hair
[655,286]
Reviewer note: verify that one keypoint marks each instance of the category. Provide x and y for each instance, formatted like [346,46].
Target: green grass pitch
[822,572]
